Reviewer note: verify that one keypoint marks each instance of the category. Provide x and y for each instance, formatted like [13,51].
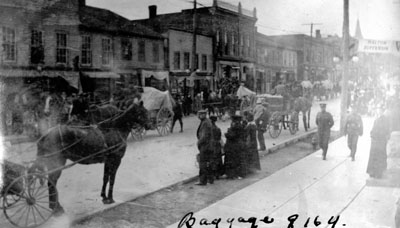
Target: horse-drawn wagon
[160,110]
[282,113]
[24,196]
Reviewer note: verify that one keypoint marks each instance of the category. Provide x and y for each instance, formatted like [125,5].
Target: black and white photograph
[199,113]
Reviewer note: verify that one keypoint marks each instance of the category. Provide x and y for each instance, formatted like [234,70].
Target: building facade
[232,29]
[180,61]
[314,55]
[275,63]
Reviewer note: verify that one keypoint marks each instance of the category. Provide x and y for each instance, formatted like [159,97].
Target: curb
[191,179]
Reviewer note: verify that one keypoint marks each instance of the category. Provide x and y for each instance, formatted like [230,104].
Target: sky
[379,19]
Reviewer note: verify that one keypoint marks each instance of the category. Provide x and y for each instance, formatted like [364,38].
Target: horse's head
[135,114]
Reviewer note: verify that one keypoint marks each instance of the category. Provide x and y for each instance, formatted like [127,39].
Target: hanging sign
[379,46]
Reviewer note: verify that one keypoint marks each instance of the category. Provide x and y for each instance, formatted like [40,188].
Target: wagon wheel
[138,132]
[275,125]
[164,121]
[294,123]
[26,201]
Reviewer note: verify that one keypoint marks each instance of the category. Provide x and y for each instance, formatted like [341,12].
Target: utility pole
[345,75]
[311,41]
[194,36]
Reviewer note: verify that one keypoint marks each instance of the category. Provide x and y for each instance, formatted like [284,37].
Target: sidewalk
[312,187]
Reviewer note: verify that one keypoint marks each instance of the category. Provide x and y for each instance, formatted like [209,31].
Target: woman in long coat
[233,148]
[253,158]
[380,134]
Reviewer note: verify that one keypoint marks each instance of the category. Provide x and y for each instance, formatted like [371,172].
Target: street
[148,165]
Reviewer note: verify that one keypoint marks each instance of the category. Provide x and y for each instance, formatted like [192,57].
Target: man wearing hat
[218,168]
[353,128]
[205,144]
[234,149]
[324,122]
[261,117]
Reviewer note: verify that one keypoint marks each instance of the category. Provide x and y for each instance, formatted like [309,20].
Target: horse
[303,105]
[104,143]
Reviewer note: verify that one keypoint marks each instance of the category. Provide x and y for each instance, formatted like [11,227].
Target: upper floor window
[156,53]
[37,50]
[196,61]
[204,62]
[61,48]
[86,50]
[142,51]
[186,60]
[106,51]
[126,49]
[9,44]
[177,60]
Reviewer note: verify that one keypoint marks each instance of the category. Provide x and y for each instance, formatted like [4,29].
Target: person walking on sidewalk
[380,134]
[178,113]
[205,144]
[218,164]
[353,128]
[261,118]
[253,159]
[324,122]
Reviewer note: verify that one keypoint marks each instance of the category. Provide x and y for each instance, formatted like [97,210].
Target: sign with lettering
[379,46]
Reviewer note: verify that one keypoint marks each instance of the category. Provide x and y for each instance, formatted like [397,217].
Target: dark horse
[104,143]
[303,105]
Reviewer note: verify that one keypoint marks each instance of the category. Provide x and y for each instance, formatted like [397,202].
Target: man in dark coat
[251,145]
[353,128]
[178,113]
[261,118]
[205,144]
[218,164]
[234,148]
[324,122]
[380,134]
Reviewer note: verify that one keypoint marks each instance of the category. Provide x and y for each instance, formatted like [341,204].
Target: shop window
[204,62]
[9,44]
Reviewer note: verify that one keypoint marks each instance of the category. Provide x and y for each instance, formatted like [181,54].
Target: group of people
[240,148]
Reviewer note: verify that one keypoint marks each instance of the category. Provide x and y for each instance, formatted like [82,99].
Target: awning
[102,74]
[159,75]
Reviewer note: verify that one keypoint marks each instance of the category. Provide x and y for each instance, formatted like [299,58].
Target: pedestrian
[178,113]
[251,145]
[261,118]
[353,128]
[380,135]
[205,145]
[233,148]
[218,163]
[324,121]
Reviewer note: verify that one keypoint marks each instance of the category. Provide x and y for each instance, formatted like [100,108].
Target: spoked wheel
[164,121]
[275,129]
[294,123]
[138,133]
[26,201]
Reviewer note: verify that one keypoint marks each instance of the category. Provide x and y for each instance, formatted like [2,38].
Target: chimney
[82,3]
[240,8]
[152,11]
[318,34]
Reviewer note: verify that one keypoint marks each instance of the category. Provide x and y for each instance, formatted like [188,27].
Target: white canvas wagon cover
[154,99]
[243,91]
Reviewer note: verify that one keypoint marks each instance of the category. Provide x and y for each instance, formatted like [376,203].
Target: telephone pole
[345,75]
[194,36]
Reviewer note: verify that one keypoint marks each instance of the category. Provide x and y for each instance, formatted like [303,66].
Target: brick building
[275,62]
[180,57]
[232,29]
[314,55]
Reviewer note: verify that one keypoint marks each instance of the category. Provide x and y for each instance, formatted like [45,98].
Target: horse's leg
[113,172]
[304,120]
[106,176]
[54,203]
[308,114]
